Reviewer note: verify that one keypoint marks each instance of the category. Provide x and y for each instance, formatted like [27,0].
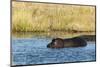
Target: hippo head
[56,43]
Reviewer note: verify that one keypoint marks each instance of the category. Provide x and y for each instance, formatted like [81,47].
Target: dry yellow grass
[27,16]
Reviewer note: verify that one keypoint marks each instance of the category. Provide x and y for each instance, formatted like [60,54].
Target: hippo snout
[48,46]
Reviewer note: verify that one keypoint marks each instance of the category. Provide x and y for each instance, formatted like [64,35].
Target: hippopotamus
[70,42]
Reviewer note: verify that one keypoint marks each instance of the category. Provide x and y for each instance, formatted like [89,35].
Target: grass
[40,17]
[53,34]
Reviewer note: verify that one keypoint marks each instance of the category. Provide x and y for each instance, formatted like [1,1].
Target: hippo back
[74,42]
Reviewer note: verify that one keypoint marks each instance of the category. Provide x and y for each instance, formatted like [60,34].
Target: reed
[32,17]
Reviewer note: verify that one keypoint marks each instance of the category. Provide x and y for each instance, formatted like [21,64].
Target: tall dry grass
[32,17]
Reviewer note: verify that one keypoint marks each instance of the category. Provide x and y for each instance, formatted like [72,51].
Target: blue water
[34,51]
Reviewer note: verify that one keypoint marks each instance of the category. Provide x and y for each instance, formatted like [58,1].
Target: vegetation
[42,17]
[54,34]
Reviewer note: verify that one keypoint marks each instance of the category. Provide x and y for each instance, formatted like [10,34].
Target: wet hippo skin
[70,42]
[89,37]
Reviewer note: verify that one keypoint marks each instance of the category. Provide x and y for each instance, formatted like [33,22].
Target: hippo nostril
[48,45]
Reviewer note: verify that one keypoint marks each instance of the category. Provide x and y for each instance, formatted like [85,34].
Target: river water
[33,50]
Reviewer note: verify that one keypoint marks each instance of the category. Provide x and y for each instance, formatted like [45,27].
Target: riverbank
[55,34]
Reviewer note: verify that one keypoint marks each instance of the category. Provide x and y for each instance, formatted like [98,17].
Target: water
[34,50]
